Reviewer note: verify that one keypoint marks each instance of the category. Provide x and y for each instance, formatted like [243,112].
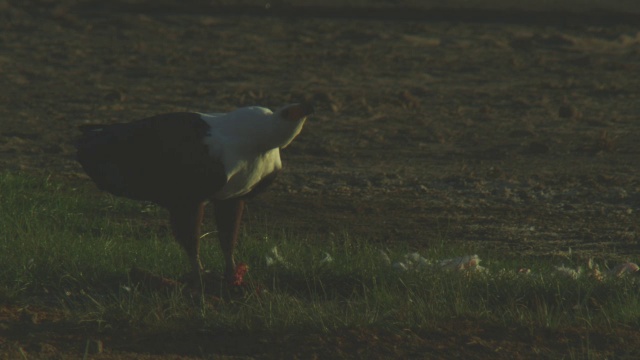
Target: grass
[71,249]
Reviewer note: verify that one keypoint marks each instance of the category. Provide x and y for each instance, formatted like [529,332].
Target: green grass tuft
[71,249]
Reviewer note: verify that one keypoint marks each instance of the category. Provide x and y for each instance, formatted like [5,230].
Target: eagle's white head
[255,129]
[259,128]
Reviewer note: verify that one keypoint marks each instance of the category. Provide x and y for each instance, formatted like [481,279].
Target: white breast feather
[244,164]
[245,172]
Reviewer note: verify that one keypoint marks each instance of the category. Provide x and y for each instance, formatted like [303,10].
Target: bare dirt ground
[517,136]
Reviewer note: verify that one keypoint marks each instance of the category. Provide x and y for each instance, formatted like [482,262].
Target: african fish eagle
[181,161]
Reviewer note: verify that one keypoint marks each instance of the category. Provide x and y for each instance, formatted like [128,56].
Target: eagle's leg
[186,221]
[228,214]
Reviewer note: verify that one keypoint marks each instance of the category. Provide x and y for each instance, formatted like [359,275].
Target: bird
[184,160]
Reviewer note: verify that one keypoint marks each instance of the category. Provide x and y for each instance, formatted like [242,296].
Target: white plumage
[247,141]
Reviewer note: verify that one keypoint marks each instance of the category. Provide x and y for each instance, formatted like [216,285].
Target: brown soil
[517,137]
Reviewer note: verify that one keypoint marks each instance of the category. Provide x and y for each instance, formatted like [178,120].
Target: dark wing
[161,159]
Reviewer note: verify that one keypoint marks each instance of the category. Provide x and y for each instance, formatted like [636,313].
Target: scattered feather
[385,257]
[273,258]
[623,269]
[568,272]
[468,262]
[326,259]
